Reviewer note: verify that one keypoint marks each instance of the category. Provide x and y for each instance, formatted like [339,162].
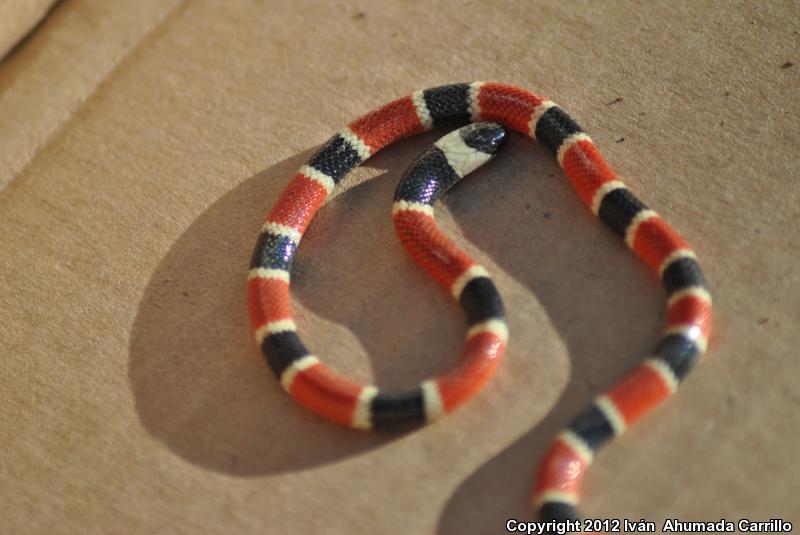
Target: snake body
[331,395]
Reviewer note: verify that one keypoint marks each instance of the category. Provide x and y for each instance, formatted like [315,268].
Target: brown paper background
[144,142]
[17,18]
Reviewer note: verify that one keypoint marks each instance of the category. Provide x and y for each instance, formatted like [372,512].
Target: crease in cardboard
[37,69]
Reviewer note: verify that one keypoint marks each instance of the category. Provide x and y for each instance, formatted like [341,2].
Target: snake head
[485,137]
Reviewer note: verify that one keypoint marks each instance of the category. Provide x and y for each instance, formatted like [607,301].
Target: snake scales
[335,397]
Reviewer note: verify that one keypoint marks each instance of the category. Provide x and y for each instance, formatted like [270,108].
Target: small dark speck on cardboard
[547,215]
[787,65]
[618,99]
[359,15]
[185,293]
[763,321]
[620,140]
[552,175]
[727,93]
[528,206]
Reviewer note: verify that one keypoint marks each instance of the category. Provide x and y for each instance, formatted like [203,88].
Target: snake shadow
[199,382]
[601,300]
[202,388]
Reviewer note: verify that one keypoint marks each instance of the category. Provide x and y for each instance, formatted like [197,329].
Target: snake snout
[485,137]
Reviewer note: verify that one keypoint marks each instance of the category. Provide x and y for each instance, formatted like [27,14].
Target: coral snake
[320,389]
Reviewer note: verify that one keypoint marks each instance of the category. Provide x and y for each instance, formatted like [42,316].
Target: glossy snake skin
[333,396]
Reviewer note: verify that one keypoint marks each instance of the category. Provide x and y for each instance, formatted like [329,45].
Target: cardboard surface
[45,82]
[17,18]
[134,399]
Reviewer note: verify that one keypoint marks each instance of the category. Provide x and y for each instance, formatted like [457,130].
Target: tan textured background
[142,144]
[17,18]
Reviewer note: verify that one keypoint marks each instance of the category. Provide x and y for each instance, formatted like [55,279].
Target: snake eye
[485,137]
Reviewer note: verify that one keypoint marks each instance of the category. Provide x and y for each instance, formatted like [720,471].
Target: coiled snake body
[333,396]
